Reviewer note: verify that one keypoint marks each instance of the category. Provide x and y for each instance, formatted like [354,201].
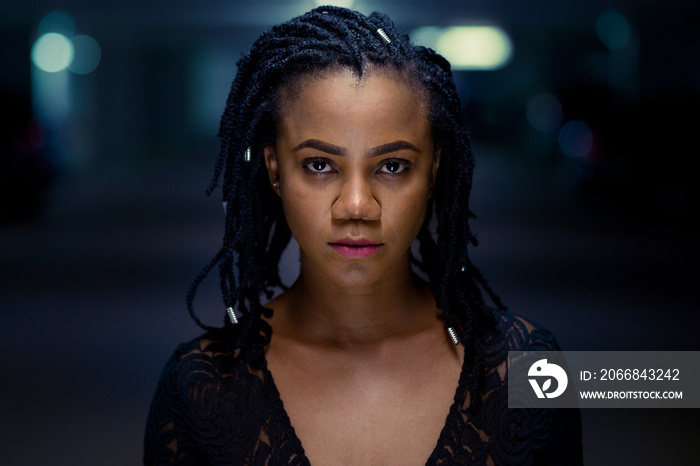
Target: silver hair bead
[247,155]
[384,35]
[453,334]
[232,315]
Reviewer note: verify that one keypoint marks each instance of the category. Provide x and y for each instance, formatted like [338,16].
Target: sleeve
[563,425]
[165,439]
[527,436]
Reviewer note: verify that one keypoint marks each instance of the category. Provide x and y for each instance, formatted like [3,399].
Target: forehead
[381,100]
[309,82]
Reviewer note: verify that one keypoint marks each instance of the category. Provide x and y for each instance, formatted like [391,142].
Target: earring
[275,185]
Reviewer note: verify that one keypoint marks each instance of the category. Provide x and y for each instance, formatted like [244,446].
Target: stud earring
[275,185]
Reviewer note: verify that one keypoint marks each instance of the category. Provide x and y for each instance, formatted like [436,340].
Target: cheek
[304,211]
[407,216]
[295,200]
[295,209]
[417,214]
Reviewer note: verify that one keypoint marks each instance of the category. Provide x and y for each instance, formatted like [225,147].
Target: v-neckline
[457,401]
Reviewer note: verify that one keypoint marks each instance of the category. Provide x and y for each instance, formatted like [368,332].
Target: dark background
[104,221]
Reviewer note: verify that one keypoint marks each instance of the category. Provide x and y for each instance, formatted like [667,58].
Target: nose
[356,201]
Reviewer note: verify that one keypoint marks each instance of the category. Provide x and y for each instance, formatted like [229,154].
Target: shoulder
[202,367]
[208,351]
[524,436]
[192,368]
[515,333]
[205,397]
[510,333]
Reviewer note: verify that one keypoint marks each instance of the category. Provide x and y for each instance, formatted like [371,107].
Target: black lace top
[212,409]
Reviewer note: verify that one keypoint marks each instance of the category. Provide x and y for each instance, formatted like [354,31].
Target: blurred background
[583,116]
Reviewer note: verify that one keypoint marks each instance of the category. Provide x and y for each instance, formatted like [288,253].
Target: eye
[394,167]
[317,166]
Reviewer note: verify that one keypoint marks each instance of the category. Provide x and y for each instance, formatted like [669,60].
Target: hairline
[406,74]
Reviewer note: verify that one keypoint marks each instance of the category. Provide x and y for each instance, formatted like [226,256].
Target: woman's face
[354,164]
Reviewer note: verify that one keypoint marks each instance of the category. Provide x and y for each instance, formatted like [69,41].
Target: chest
[388,414]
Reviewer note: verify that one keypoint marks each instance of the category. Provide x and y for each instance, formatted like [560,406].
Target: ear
[273,171]
[436,165]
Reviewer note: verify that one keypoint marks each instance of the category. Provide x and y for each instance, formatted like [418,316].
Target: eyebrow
[341,151]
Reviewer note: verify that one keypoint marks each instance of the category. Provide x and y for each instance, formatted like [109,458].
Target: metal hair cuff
[232,315]
[453,334]
[384,36]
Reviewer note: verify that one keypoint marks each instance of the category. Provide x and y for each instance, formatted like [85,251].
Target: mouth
[355,248]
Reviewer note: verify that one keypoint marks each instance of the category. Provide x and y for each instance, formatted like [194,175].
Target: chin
[356,276]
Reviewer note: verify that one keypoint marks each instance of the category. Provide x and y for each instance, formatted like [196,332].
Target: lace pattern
[212,409]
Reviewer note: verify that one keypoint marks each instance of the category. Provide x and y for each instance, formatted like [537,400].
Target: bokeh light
[52,52]
[341,3]
[614,30]
[58,22]
[87,54]
[475,47]
[544,112]
[426,36]
[576,138]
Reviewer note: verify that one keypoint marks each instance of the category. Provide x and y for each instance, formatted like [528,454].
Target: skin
[359,353]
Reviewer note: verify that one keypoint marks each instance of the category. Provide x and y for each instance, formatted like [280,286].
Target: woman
[341,133]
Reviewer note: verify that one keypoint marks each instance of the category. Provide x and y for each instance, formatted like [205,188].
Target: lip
[355,248]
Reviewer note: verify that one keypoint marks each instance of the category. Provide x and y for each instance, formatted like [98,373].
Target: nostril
[356,201]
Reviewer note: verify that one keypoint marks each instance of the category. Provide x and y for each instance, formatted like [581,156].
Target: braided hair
[256,231]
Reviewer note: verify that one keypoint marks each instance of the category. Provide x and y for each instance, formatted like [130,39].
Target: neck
[326,313]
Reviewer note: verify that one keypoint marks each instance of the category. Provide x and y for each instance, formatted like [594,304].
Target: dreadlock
[256,230]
